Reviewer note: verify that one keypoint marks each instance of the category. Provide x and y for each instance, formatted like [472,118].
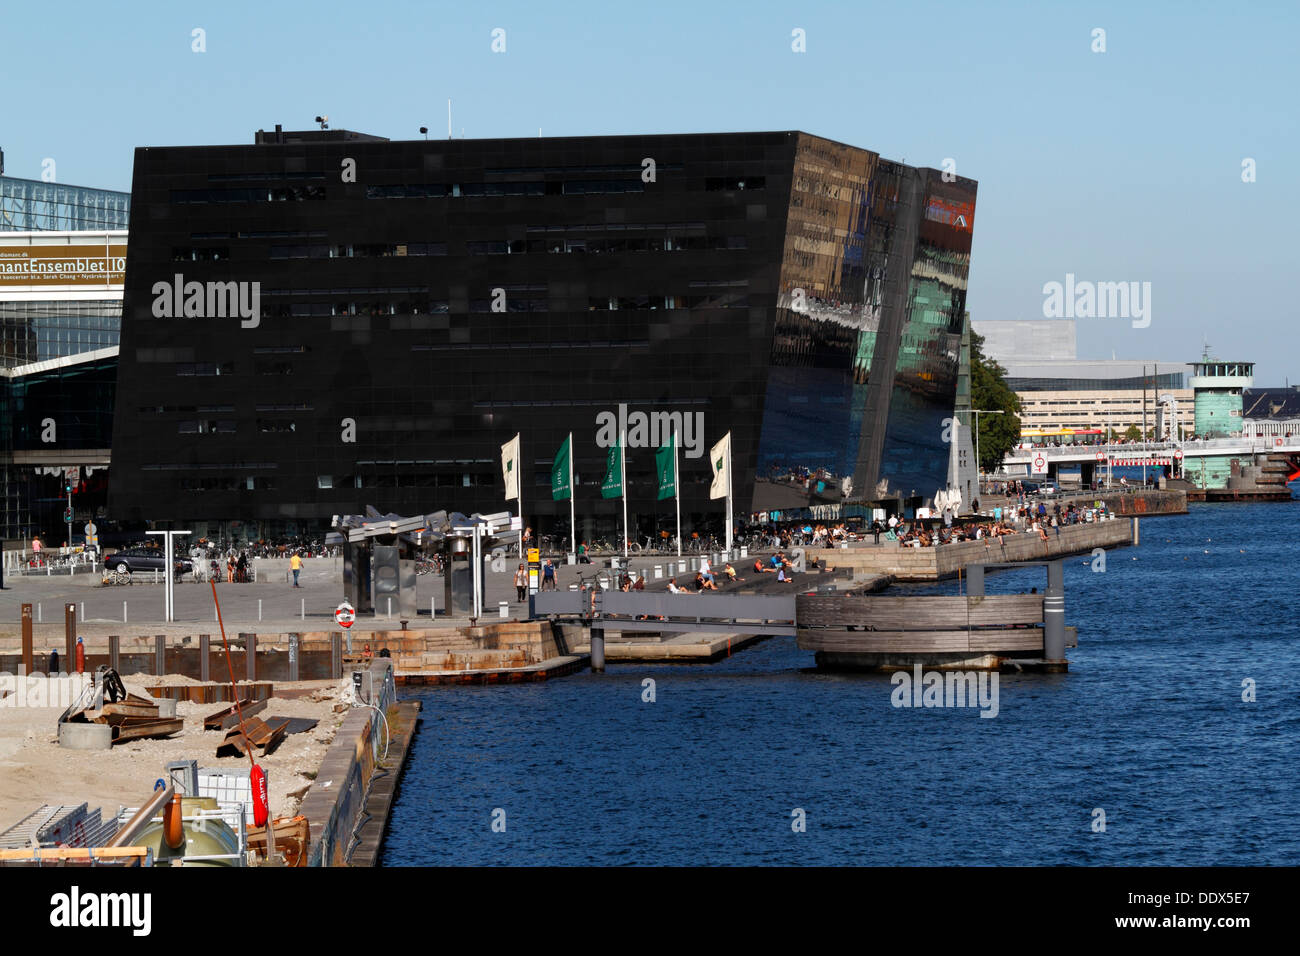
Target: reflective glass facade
[804,295]
[28,204]
[54,415]
[36,330]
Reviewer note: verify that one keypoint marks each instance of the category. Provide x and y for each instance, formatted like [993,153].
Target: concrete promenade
[947,560]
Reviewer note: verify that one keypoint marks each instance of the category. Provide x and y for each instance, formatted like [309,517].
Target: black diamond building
[324,320]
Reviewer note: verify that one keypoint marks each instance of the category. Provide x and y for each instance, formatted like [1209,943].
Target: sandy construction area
[34,769]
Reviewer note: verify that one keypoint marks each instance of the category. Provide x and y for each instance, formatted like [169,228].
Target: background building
[1271,412]
[1059,391]
[62,263]
[804,295]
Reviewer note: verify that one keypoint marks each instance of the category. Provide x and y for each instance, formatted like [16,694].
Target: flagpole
[677,493]
[520,498]
[573,530]
[622,472]
[729,518]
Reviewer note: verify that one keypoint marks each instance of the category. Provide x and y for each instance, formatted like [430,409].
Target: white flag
[720,458]
[510,467]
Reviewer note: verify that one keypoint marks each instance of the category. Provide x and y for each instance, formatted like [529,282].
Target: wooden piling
[28,663]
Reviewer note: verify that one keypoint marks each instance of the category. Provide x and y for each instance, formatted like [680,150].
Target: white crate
[228,787]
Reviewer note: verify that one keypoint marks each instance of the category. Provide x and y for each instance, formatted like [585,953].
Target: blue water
[1148,725]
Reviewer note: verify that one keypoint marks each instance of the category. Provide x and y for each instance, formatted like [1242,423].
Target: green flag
[561,489]
[612,486]
[666,467]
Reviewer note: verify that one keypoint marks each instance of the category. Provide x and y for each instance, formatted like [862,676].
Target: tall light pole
[977,412]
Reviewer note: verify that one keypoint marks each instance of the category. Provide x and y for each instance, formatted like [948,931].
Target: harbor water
[1148,728]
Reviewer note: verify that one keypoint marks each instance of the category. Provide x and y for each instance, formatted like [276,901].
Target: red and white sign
[1178,453]
[1039,464]
[1277,442]
[345,614]
[1101,456]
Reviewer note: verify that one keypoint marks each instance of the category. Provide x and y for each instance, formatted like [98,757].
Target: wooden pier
[975,631]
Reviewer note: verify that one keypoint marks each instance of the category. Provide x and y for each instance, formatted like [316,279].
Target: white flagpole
[677,493]
[622,472]
[573,530]
[729,521]
[519,472]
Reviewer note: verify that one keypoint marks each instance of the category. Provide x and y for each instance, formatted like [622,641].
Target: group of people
[521,579]
[1036,519]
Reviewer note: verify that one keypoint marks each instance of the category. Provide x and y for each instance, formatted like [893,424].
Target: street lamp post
[977,412]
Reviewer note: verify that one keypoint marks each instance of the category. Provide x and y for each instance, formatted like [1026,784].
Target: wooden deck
[869,629]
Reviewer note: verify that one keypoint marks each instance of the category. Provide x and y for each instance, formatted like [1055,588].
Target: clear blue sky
[1115,166]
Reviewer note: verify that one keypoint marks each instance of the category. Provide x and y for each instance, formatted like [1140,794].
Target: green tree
[1133,433]
[989,391]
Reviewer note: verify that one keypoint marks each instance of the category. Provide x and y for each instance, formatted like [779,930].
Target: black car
[130,560]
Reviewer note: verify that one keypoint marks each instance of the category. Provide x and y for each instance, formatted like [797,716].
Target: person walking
[295,565]
[521,584]
[548,576]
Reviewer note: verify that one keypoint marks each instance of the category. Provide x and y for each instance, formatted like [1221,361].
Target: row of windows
[258,194]
[255,177]
[669,243]
[169,409]
[575,187]
[513,303]
[225,426]
[490,247]
[373,250]
[398,290]
[248,483]
[263,234]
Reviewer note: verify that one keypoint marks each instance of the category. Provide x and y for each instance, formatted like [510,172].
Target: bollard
[83,612]
[250,655]
[123,612]
[433,607]
[40,619]
[302,612]
[1054,613]
[503,608]
[681,567]
[259,609]
[390,609]
[70,632]
[744,552]
[659,571]
[27,639]
[598,650]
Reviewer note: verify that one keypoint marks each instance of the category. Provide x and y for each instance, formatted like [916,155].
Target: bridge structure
[1182,457]
[846,629]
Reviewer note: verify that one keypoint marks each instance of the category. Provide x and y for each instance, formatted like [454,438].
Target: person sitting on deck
[730,572]
[758,566]
[704,584]
[782,576]
[673,588]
